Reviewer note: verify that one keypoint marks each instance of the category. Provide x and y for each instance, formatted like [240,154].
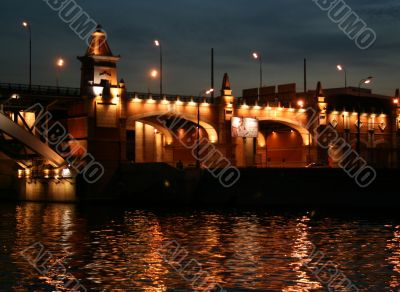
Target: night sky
[285,31]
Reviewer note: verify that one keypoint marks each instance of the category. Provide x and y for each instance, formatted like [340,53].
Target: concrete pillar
[249,151]
[159,147]
[139,137]
[239,152]
[149,144]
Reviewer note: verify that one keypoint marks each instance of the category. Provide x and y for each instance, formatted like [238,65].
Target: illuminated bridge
[115,127]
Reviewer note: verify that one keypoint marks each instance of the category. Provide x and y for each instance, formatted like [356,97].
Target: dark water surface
[123,249]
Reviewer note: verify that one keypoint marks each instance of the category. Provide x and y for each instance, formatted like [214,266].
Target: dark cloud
[284,31]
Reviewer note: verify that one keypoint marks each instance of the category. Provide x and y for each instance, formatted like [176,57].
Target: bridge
[106,124]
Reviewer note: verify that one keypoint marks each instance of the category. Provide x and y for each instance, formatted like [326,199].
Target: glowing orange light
[396,101]
[256,55]
[60,62]
[25,24]
[157,43]
[300,103]
[339,67]
[154,73]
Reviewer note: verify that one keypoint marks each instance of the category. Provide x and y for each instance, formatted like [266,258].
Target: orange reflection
[394,259]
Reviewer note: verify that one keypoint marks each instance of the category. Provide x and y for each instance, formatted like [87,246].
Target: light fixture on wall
[98,90]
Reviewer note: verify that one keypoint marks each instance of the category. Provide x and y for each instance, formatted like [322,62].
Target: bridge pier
[47,190]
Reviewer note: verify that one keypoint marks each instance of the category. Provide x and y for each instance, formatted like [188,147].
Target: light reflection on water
[110,249]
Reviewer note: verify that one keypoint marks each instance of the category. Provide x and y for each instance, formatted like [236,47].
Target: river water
[48,247]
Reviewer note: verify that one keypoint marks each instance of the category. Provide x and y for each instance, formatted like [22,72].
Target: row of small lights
[47,173]
[192,102]
[245,106]
[205,103]
[257,107]
[336,113]
[165,101]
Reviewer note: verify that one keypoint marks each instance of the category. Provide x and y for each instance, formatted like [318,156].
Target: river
[45,247]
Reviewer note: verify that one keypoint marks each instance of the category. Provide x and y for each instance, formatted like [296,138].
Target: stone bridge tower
[98,123]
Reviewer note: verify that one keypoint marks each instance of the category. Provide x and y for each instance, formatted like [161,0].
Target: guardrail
[39,89]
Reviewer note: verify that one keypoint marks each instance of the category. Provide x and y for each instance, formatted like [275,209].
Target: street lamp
[157,43]
[59,65]
[367,80]
[27,25]
[257,56]
[202,94]
[153,75]
[341,68]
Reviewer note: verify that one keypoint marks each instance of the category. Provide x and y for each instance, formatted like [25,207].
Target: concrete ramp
[30,141]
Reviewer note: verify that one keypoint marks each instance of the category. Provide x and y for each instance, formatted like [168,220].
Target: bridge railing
[39,89]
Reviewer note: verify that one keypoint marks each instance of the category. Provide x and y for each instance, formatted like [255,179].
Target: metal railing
[39,89]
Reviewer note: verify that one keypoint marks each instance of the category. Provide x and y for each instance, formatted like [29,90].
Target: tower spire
[226,91]
[226,84]
[98,44]
[319,90]
[99,65]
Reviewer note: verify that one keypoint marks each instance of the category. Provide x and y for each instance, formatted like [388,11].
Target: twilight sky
[285,31]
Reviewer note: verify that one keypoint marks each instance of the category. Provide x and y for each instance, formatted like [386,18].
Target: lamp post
[367,80]
[341,68]
[27,25]
[157,43]
[257,56]
[59,66]
[202,94]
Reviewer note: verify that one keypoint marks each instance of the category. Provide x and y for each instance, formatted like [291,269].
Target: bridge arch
[166,132]
[303,131]
[206,125]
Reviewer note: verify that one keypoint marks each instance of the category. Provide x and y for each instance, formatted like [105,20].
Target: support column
[139,144]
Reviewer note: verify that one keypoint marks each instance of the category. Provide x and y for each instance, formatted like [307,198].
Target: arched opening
[293,125]
[204,124]
[148,142]
[278,144]
[165,138]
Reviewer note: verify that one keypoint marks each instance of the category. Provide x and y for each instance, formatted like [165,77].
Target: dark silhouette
[179,165]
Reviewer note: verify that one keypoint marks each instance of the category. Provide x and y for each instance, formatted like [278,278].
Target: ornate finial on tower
[397,94]
[226,84]
[226,91]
